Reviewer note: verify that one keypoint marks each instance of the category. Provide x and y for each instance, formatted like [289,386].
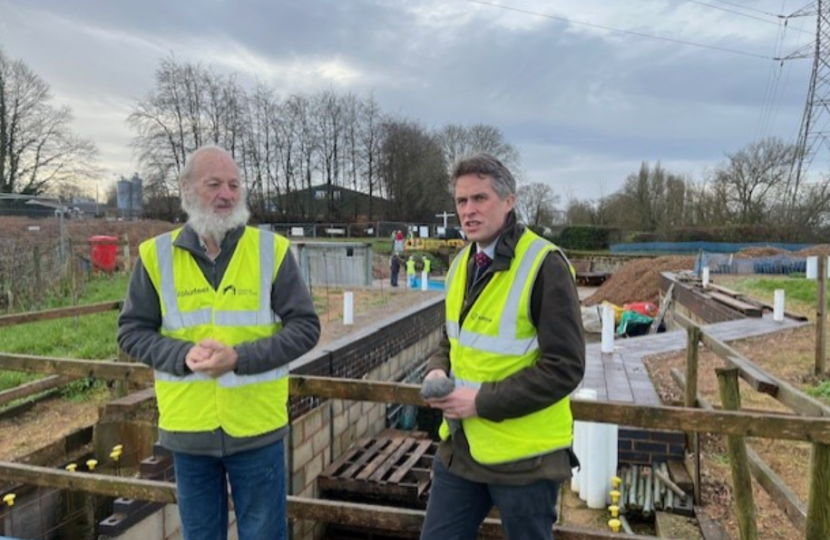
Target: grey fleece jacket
[140,321]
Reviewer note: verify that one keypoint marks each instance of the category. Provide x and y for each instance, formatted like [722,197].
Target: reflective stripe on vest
[228,380]
[506,341]
[173,319]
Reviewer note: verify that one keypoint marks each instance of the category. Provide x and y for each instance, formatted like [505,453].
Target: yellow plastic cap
[614,509]
[615,524]
[71,467]
[91,463]
[9,499]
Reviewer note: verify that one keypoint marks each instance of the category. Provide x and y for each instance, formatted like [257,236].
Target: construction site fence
[374,229]
[30,274]
[719,263]
[696,247]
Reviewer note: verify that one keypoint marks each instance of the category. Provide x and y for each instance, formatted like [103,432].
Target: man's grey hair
[486,166]
[187,171]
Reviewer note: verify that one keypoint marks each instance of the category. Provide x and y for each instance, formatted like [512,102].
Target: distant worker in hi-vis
[513,352]
[218,310]
[410,272]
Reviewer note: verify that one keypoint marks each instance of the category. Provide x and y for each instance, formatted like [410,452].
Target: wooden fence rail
[817,522]
[299,508]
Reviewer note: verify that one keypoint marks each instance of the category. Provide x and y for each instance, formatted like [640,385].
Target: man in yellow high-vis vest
[515,350]
[218,310]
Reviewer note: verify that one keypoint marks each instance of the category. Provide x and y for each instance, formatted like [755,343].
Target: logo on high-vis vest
[192,292]
[231,289]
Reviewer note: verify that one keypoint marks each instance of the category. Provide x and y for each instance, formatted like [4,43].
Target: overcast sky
[583,104]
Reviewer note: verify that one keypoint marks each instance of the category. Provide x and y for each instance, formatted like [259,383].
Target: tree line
[287,144]
[751,190]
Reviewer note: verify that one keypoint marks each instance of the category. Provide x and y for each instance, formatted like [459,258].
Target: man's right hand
[196,356]
[435,374]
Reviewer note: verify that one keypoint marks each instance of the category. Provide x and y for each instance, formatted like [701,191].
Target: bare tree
[413,171]
[458,141]
[371,125]
[38,150]
[536,204]
[753,178]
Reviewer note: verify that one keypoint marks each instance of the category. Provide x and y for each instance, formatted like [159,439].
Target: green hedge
[583,237]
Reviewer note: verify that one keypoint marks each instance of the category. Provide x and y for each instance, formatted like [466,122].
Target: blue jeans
[457,507]
[258,486]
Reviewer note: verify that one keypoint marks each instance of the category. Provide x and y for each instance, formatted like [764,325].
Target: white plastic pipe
[348,308]
[597,469]
[607,329]
[812,267]
[778,307]
[580,445]
[424,284]
[705,278]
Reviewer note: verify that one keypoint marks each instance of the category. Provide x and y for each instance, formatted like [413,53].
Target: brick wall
[322,430]
[643,447]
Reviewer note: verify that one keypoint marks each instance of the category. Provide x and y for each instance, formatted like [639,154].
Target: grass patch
[821,391]
[88,337]
[801,294]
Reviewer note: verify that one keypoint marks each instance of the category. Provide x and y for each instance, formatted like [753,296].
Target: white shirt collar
[489,249]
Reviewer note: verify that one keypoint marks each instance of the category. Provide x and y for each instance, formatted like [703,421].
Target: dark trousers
[457,507]
[258,482]
[394,278]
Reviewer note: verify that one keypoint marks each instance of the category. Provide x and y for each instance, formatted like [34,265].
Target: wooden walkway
[621,375]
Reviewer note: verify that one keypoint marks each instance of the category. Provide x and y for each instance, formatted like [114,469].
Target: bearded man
[218,310]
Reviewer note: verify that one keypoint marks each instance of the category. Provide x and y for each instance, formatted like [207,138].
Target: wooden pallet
[394,469]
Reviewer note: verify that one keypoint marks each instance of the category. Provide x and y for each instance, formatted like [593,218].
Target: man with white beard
[218,310]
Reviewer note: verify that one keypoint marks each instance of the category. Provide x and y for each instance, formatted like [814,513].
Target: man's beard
[209,224]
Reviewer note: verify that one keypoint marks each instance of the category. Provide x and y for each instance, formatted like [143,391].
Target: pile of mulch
[758,252]
[814,251]
[638,281]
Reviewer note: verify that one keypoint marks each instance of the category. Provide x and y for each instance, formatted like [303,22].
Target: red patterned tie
[482,262]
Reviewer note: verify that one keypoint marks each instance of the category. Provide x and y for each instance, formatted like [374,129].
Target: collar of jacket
[506,246]
[189,240]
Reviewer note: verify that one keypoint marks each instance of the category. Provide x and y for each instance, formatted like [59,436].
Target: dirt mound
[814,251]
[638,281]
[757,252]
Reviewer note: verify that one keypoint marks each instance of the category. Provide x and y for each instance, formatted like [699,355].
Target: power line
[620,31]
[742,6]
[738,12]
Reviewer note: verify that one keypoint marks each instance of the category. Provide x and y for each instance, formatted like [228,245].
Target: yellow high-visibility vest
[237,312]
[497,339]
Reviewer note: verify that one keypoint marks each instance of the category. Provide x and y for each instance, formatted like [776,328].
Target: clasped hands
[458,404]
[211,357]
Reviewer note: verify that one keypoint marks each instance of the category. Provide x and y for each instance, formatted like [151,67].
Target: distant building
[330,203]
[130,197]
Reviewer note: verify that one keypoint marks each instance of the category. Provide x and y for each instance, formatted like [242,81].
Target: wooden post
[121,387]
[736,445]
[818,506]
[38,283]
[127,266]
[692,352]
[690,400]
[821,317]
